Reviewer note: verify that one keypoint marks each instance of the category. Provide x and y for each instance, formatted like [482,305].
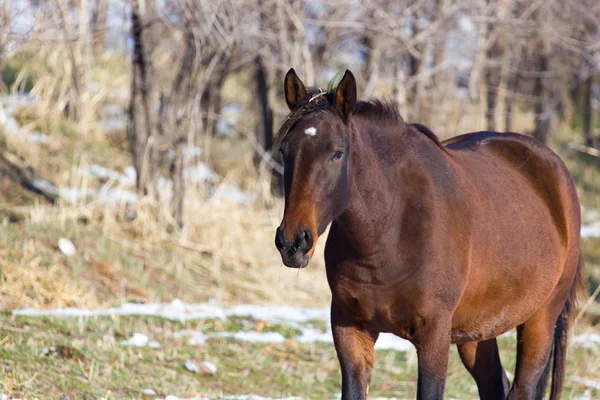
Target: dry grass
[224,253]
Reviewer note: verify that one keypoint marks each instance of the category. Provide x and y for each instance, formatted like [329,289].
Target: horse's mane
[318,100]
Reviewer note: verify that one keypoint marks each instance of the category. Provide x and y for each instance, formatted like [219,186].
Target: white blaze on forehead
[312,131]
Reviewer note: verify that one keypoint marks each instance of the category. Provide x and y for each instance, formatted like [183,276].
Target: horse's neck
[380,167]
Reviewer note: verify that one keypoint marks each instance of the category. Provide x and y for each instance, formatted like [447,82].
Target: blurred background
[136,143]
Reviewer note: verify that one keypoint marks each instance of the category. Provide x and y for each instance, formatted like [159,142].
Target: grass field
[83,358]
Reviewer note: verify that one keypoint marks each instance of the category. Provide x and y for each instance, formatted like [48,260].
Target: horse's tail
[561,331]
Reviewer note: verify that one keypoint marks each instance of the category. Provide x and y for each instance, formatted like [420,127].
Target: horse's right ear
[294,89]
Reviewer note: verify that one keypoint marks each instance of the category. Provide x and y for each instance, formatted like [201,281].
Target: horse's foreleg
[355,350]
[482,360]
[433,350]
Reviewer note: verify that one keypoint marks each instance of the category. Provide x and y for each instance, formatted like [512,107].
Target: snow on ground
[591,383]
[592,230]
[587,340]
[178,310]
[297,317]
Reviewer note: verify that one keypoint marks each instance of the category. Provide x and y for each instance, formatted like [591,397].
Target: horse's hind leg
[534,347]
[482,360]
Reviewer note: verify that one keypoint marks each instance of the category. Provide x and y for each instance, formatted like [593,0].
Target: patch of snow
[149,392]
[154,344]
[591,214]
[208,368]
[231,194]
[230,115]
[11,127]
[66,247]
[74,195]
[190,152]
[388,341]
[509,334]
[256,337]
[591,383]
[587,340]
[137,340]
[592,230]
[37,137]
[587,395]
[113,109]
[200,173]
[113,123]
[465,24]
[45,186]
[98,171]
[116,196]
[191,366]
[129,177]
[178,310]
[195,338]
[109,338]
[312,335]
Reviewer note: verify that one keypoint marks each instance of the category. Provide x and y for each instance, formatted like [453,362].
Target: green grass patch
[83,358]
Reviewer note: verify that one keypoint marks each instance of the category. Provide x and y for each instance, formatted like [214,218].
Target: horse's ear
[294,89]
[345,95]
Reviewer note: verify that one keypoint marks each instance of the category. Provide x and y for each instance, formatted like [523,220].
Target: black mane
[318,100]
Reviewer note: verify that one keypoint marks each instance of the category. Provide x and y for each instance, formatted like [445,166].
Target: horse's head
[314,144]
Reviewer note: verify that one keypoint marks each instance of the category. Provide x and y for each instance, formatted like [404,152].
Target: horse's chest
[378,307]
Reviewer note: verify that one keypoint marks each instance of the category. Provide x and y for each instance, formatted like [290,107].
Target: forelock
[316,99]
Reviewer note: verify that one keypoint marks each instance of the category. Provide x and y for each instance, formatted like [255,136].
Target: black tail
[561,332]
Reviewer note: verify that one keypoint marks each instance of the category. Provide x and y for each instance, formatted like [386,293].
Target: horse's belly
[482,327]
[501,296]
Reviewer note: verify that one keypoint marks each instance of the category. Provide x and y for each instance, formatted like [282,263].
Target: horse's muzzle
[294,252]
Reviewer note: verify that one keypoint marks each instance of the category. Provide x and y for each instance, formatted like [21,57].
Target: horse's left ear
[345,95]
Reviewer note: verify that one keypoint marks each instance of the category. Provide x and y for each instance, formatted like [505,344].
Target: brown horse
[438,243]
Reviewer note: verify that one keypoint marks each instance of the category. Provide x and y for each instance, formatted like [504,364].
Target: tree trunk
[542,127]
[212,97]
[99,21]
[587,111]
[4,29]
[492,76]
[142,134]
[264,127]
[180,98]
[512,86]
[177,175]
[412,91]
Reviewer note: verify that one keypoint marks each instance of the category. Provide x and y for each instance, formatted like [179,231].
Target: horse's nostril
[304,240]
[279,239]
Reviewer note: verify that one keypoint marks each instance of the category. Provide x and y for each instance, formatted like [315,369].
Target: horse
[440,243]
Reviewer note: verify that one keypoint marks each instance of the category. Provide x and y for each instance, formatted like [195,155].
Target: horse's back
[525,226]
[520,166]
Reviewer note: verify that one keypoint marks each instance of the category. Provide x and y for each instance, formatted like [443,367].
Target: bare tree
[142,129]
[98,27]
[5,10]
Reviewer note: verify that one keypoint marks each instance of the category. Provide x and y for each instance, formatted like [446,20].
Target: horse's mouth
[296,260]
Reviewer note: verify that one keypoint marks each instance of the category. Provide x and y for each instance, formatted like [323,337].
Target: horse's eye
[337,156]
